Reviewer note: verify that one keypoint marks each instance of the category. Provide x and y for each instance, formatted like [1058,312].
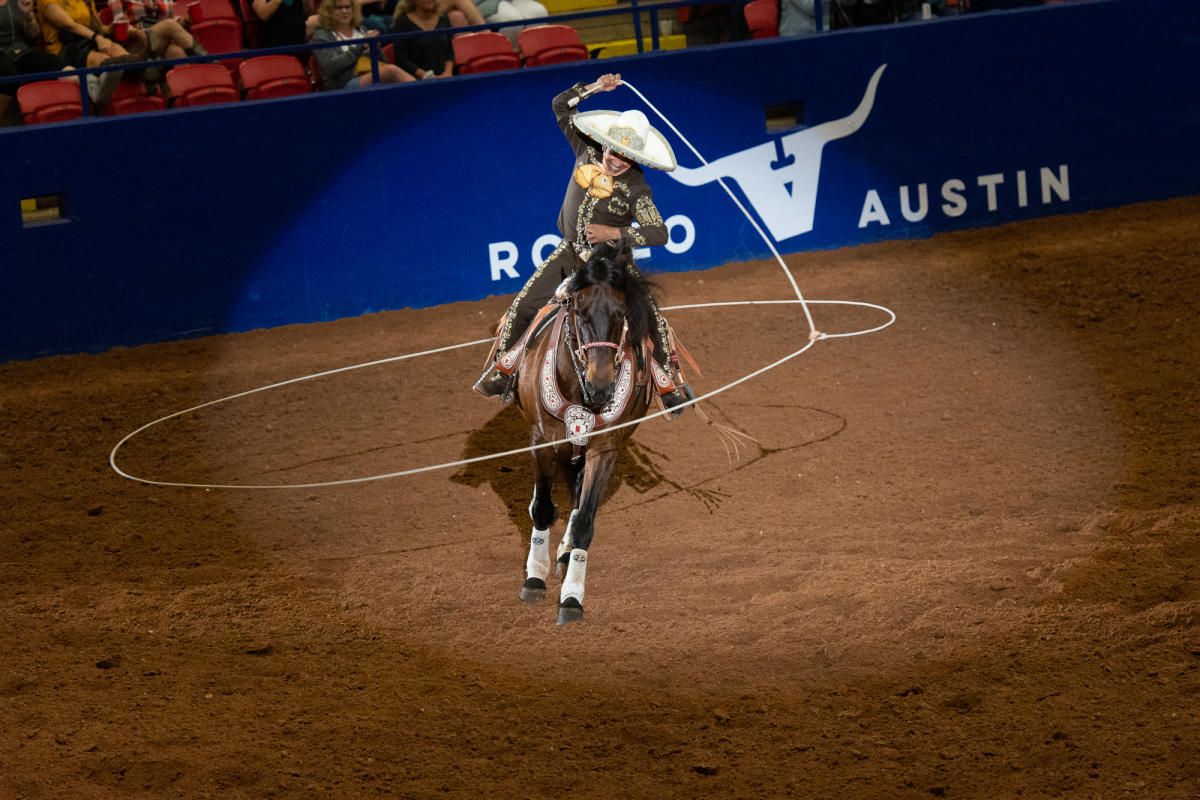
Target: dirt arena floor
[962,560]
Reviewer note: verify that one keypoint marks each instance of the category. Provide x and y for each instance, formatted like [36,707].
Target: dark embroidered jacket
[631,198]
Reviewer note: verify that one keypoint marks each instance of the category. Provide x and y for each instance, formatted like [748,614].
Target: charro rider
[606,194]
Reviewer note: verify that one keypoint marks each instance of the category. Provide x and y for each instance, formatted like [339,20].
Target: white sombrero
[628,134]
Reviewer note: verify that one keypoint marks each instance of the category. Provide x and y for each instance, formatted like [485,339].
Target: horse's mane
[607,265]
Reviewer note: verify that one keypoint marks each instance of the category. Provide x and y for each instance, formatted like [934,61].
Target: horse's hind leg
[542,512]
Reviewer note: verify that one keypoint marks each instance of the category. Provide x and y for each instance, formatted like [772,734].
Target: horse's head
[610,309]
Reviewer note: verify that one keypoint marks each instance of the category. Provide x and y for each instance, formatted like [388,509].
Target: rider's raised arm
[563,111]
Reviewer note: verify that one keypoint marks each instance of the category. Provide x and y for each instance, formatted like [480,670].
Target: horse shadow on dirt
[640,467]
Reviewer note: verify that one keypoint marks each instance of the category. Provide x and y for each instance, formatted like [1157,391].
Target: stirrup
[671,400]
[495,383]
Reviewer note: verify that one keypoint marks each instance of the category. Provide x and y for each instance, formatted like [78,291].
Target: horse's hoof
[533,590]
[564,561]
[569,611]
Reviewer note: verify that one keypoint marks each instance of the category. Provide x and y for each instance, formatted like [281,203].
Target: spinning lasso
[814,337]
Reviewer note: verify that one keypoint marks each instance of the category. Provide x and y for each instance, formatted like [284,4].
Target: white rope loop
[814,336]
[112,458]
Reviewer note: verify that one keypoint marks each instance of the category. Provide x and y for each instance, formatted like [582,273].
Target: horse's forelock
[609,265]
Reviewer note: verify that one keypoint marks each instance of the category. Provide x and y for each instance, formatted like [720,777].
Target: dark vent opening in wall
[784,116]
[43,210]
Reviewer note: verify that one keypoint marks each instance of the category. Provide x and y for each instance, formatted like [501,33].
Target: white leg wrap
[576,574]
[565,546]
[537,565]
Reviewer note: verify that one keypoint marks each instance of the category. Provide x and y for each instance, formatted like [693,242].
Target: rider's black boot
[495,383]
[672,400]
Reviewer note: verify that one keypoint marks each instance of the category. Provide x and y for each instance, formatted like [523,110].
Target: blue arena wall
[200,221]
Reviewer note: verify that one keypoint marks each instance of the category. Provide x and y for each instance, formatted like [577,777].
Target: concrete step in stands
[601,30]
[615,28]
[628,47]
[567,6]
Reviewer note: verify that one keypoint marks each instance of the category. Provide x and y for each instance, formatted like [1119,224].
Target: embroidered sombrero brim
[655,151]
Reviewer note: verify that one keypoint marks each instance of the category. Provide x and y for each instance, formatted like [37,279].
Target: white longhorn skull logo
[784,197]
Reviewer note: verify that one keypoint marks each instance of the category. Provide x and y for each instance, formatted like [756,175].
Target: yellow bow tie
[594,180]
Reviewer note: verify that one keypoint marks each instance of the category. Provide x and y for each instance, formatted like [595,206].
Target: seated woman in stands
[72,31]
[423,56]
[348,66]
[19,53]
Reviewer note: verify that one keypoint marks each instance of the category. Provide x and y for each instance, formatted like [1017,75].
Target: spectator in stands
[19,54]
[460,12]
[72,31]
[154,33]
[511,10]
[423,56]
[348,66]
[469,9]
[799,17]
[281,22]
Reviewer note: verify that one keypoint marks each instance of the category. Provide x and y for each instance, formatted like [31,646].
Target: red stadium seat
[485,51]
[50,101]
[550,44]
[131,97]
[201,85]
[221,36]
[762,17]
[265,77]
[204,10]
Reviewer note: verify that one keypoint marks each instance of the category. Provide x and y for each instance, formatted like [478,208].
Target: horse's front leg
[574,475]
[542,512]
[596,472]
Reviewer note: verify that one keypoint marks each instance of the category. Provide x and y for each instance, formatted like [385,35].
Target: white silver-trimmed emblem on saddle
[661,378]
[580,422]
[509,358]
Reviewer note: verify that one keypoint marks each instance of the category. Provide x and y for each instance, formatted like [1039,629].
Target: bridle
[578,348]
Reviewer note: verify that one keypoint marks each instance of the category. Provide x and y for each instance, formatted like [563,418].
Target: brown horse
[583,372]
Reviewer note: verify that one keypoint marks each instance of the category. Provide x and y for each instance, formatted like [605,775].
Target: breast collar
[555,402]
